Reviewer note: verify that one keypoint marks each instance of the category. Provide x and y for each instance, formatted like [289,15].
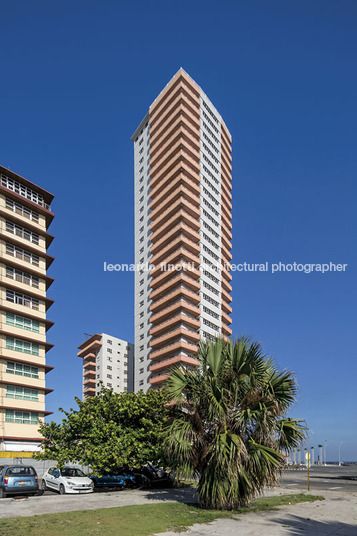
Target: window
[22,277]
[21,210]
[109,341]
[23,190]
[21,370]
[19,345]
[109,385]
[109,367]
[22,232]
[141,371]
[22,254]
[21,417]
[141,382]
[141,348]
[211,313]
[209,287]
[109,350]
[22,322]
[22,393]
[210,324]
[22,299]
[210,300]
[141,360]
[109,376]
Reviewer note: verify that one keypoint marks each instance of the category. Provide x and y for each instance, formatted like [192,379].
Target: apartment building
[108,362]
[182,161]
[25,216]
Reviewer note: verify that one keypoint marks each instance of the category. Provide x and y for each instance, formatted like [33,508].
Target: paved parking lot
[52,502]
[340,481]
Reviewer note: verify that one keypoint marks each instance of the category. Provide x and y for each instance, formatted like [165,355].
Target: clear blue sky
[77,78]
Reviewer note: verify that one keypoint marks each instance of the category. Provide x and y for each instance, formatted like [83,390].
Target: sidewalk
[335,516]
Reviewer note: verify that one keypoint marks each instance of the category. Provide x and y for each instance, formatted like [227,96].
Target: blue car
[18,480]
[111,480]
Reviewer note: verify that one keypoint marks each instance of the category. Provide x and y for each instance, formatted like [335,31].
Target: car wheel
[2,494]
[43,485]
[62,489]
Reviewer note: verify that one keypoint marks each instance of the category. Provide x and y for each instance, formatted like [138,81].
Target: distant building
[109,360]
[182,160]
[25,215]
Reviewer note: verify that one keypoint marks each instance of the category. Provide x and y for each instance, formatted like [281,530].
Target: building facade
[183,183]
[25,215]
[107,361]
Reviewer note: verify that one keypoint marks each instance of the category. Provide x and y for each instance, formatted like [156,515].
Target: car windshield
[72,472]
[20,471]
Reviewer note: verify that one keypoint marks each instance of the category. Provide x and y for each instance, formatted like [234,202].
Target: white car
[67,480]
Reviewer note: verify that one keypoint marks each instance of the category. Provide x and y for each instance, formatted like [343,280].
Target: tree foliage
[109,430]
[229,425]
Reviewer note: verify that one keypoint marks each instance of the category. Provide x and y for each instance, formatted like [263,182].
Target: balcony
[180,240]
[180,331]
[178,346]
[89,382]
[226,330]
[176,279]
[177,319]
[176,294]
[190,202]
[226,319]
[167,224]
[168,144]
[181,229]
[89,374]
[158,380]
[90,345]
[177,307]
[180,152]
[89,391]
[225,296]
[175,123]
[181,85]
[226,308]
[181,256]
[180,174]
[173,361]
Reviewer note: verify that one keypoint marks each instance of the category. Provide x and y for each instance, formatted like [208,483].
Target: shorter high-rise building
[25,216]
[108,362]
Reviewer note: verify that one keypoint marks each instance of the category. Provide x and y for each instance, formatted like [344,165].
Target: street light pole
[339,453]
[325,452]
[320,456]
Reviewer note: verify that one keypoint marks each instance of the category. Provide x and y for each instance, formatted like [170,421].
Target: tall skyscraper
[107,361]
[25,215]
[182,156]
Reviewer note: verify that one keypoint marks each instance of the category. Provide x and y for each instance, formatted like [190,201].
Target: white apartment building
[108,362]
[182,162]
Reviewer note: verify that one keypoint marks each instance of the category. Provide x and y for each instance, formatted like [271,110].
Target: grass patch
[144,520]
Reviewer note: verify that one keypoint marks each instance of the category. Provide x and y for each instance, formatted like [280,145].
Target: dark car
[117,479]
[18,480]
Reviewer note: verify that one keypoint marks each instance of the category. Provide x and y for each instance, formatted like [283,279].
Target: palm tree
[229,423]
